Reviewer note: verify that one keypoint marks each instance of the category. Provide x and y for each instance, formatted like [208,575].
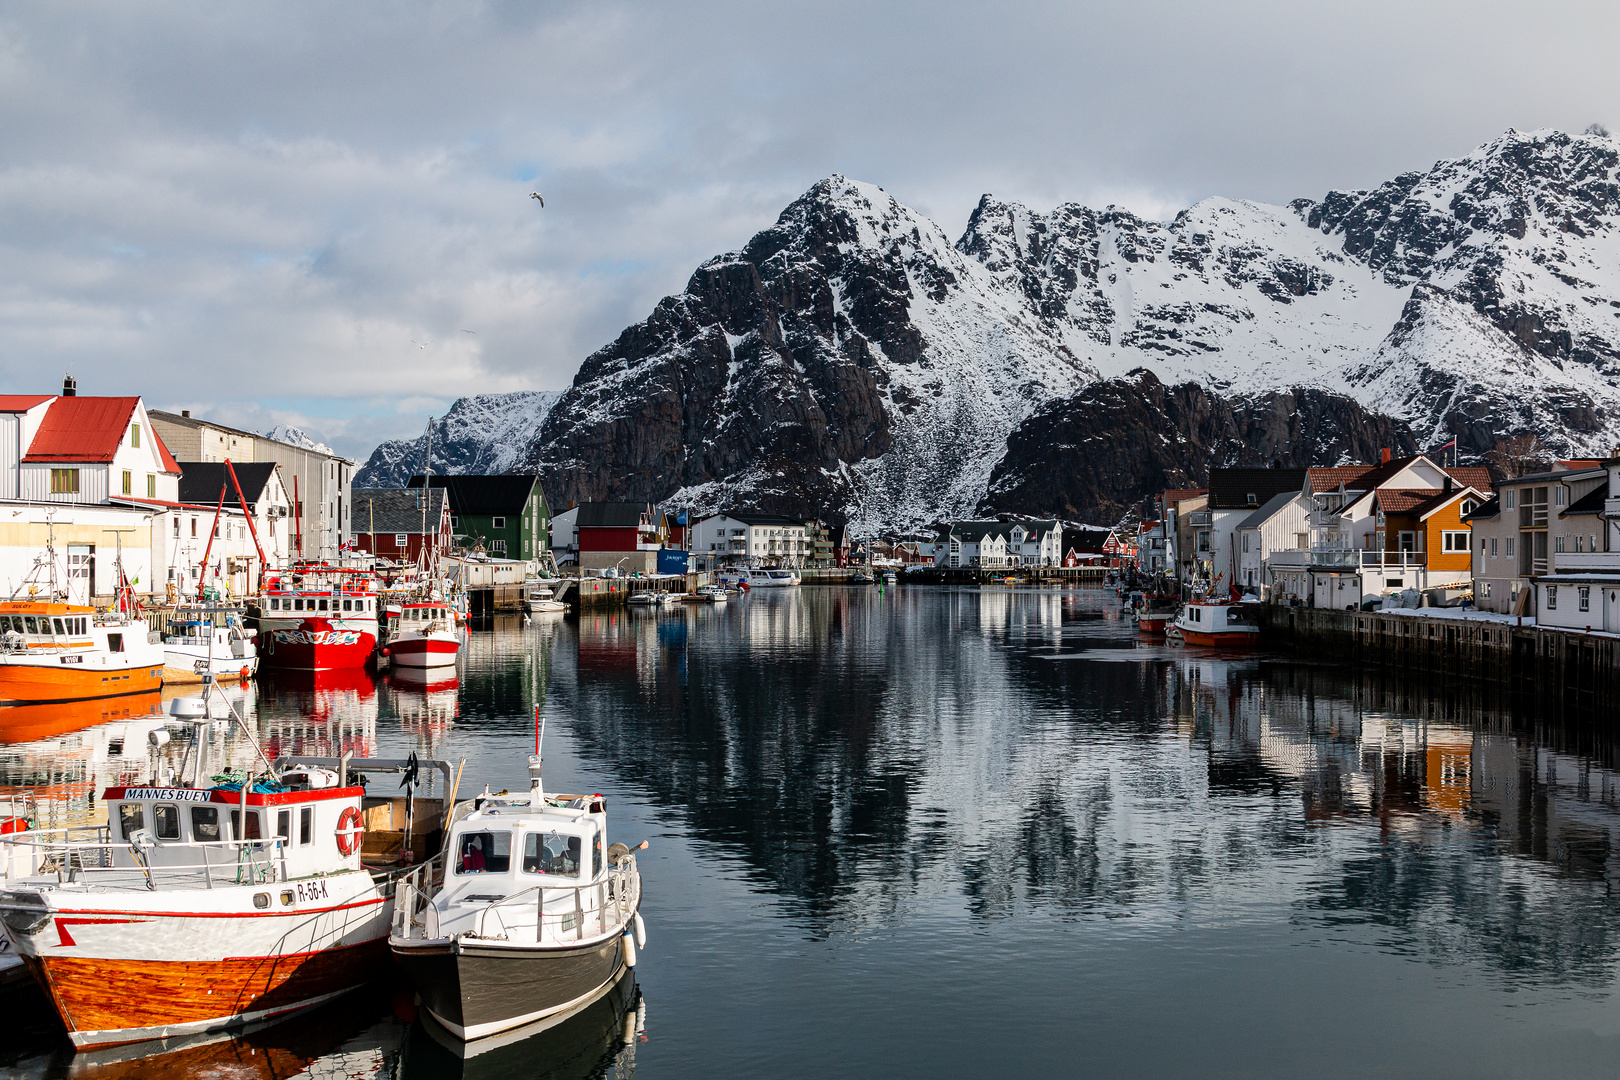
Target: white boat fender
[641,932]
[629,943]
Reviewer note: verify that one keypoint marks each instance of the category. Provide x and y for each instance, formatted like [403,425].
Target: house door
[1408,541]
[81,572]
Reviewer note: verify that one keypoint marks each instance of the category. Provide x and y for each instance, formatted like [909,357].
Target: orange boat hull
[105,1002]
[25,684]
[1231,639]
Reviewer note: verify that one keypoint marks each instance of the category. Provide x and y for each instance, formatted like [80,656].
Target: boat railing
[607,904]
[88,855]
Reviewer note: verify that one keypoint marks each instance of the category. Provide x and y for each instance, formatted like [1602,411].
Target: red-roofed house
[93,450]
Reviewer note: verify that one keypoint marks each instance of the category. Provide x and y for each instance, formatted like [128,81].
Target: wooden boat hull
[477,990]
[1224,639]
[107,1002]
[32,683]
[1152,624]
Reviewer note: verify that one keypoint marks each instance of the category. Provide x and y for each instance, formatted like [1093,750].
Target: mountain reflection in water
[945,832]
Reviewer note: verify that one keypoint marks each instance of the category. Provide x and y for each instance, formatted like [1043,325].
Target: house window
[129,483]
[151,486]
[1453,541]
[64,481]
[193,526]
[1245,543]
[1558,495]
[1493,547]
[1552,598]
[1558,542]
[1468,506]
[177,528]
[1507,499]
[1507,546]
[135,435]
[400,539]
[455,522]
[498,523]
[1487,587]
[498,545]
[1583,594]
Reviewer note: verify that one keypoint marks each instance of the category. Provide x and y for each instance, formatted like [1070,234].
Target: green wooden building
[506,515]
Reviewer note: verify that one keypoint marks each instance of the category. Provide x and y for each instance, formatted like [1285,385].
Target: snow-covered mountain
[295,436]
[852,359]
[484,434]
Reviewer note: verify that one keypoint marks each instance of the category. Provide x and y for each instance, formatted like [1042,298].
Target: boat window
[323,603]
[284,825]
[252,826]
[298,603]
[205,823]
[60,629]
[32,624]
[306,825]
[348,605]
[596,857]
[166,822]
[131,818]
[485,853]
[551,853]
[115,642]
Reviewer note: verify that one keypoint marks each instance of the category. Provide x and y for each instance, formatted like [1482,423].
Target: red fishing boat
[319,617]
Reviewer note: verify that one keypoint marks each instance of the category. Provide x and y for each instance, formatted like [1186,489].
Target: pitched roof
[1330,477]
[1175,495]
[494,496]
[1474,476]
[1491,509]
[1590,503]
[200,481]
[394,510]
[1269,510]
[82,429]
[753,517]
[21,402]
[610,515]
[976,532]
[1406,500]
[1230,488]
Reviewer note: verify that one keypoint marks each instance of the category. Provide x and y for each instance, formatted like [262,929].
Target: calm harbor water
[935,833]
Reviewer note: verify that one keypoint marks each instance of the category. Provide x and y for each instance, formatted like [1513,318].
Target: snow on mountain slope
[851,360]
[295,436]
[483,434]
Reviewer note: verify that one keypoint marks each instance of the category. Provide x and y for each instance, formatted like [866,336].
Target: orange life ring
[348,831]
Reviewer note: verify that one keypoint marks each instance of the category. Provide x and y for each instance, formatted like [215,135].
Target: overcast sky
[263,212]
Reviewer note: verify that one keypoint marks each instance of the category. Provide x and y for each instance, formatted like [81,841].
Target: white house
[1034,543]
[979,544]
[747,538]
[1282,524]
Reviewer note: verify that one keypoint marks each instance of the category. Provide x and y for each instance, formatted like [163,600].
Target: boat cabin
[52,628]
[507,846]
[330,602]
[312,828]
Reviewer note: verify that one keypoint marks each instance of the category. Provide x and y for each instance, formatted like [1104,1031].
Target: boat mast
[427,490]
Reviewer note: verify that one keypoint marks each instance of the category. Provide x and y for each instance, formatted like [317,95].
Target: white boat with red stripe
[421,635]
[199,909]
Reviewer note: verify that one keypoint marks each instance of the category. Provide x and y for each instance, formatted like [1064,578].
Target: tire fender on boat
[641,932]
[629,943]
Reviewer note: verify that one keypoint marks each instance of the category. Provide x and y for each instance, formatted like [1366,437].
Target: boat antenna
[537,794]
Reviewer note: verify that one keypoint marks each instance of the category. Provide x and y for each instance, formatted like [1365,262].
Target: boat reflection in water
[582,1043]
[365,1037]
[426,701]
[318,713]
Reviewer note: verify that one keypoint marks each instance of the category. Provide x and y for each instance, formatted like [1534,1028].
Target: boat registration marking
[171,794]
[311,890]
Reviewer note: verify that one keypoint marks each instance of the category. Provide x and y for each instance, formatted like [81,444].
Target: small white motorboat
[543,602]
[208,641]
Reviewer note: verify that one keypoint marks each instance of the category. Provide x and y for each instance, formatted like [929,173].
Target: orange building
[1427,522]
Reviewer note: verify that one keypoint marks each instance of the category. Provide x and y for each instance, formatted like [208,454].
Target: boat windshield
[485,853]
[551,853]
[1236,616]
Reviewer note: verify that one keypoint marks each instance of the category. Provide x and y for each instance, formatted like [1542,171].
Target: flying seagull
[536,195]
[420,344]
[469,331]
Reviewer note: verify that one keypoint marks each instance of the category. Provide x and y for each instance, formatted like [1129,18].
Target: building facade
[506,517]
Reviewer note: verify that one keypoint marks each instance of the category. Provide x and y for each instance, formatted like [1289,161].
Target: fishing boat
[201,907]
[643,599]
[1155,613]
[421,635]
[526,914]
[317,617]
[861,577]
[1218,625]
[69,652]
[208,641]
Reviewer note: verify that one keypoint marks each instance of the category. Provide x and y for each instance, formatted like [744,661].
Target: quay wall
[1569,663]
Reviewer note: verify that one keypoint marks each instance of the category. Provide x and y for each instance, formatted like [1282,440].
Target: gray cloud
[253,210]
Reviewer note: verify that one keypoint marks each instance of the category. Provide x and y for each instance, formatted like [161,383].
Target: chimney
[1385,458]
[186,413]
[70,386]
[1447,488]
